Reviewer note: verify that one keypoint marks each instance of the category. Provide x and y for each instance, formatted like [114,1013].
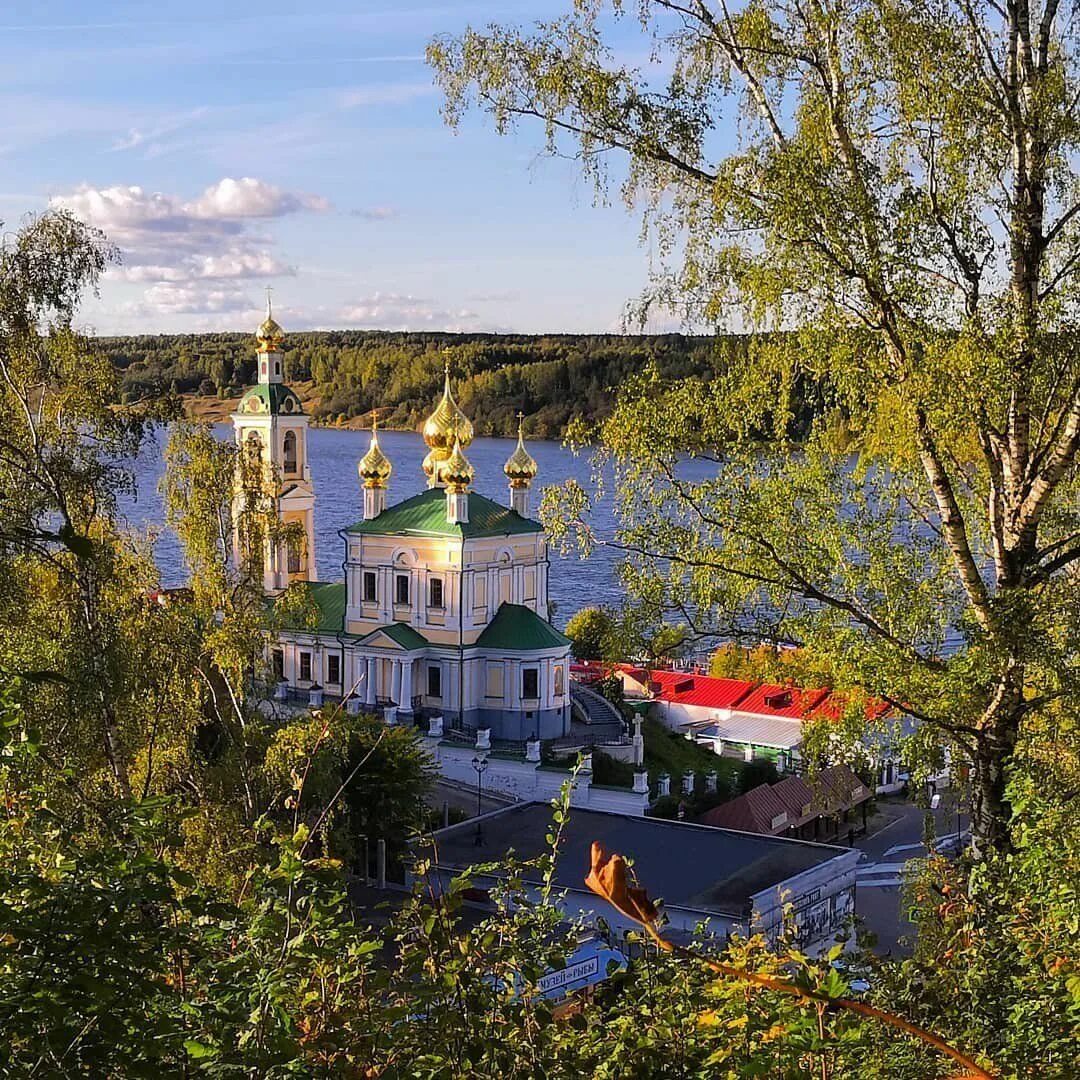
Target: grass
[667,752]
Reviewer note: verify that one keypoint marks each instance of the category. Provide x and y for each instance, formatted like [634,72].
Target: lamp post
[479,764]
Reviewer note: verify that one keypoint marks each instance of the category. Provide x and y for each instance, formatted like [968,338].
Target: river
[333,454]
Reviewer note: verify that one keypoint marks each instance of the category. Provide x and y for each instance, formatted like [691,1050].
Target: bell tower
[270,424]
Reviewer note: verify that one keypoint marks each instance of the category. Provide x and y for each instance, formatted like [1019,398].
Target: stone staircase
[593,717]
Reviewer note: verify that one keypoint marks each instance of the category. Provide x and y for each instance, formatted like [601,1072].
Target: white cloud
[397,311]
[251,198]
[170,298]
[183,246]
[146,136]
[509,296]
[229,264]
[376,213]
[400,93]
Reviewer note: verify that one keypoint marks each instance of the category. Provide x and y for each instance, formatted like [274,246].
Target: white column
[395,682]
[406,691]
[369,681]
[374,502]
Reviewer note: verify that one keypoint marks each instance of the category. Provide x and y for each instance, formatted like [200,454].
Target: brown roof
[758,811]
[793,801]
[846,783]
[799,798]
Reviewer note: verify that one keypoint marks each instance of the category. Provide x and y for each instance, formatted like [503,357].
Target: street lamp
[479,764]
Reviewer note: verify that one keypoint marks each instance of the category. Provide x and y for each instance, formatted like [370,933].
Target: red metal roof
[683,688]
[832,708]
[770,699]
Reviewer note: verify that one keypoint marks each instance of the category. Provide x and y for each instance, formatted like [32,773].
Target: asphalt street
[881,869]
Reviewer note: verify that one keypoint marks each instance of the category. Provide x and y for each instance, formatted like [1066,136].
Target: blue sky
[230,146]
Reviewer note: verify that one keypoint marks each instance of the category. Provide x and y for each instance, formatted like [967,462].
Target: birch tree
[888,187]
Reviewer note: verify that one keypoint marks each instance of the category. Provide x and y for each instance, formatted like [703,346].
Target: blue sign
[591,963]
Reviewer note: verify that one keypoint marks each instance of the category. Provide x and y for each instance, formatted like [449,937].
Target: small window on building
[369,586]
[305,667]
[435,593]
[277,367]
[559,680]
[434,681]
[530,683]
[289,451]
[333,668]
[294,559]
[277,659]
[495,679]
[401,589]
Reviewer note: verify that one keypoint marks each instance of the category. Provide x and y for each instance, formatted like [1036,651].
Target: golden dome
[520,466]
[457,473]
[374,467]
[432,466]
[269,336]
[447,422]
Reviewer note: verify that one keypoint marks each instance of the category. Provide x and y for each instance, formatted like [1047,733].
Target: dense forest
[551,378]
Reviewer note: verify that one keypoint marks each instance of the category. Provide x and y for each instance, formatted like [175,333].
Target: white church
[443,610]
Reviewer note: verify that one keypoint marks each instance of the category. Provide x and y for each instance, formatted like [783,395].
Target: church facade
[443,606]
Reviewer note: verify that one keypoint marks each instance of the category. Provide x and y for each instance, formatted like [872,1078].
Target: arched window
[290,451]
[295,561]
[254,446]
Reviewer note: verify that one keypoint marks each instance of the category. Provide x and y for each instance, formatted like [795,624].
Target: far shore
[215,410]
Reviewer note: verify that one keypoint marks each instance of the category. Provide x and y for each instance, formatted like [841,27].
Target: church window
[294,559]
[369,586]
[277,367]
[305,667]
[559,680]
[530,683]
[290,451]
[254,446]
[401,589]
[495,679]
[435,593]
[278,661]
[434,681]
[333,668]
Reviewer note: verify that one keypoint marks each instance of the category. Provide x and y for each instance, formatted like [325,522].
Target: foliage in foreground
[116,961]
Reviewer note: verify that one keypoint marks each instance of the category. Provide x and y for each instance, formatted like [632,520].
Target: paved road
[463,798]
[879,873]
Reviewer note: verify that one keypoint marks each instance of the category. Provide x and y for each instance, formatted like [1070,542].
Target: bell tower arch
[270,421]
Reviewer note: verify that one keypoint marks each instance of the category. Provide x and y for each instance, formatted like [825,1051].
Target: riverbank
[218,410]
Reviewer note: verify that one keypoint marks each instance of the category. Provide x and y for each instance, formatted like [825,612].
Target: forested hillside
[550,378]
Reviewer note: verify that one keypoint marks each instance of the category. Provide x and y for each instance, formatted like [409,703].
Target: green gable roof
[519,629]
[425,515]
[273,398]
[329,599]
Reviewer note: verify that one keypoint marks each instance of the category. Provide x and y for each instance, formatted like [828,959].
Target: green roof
[425,515]
[273,398]
[329,598]
[403,634]
[519,629]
